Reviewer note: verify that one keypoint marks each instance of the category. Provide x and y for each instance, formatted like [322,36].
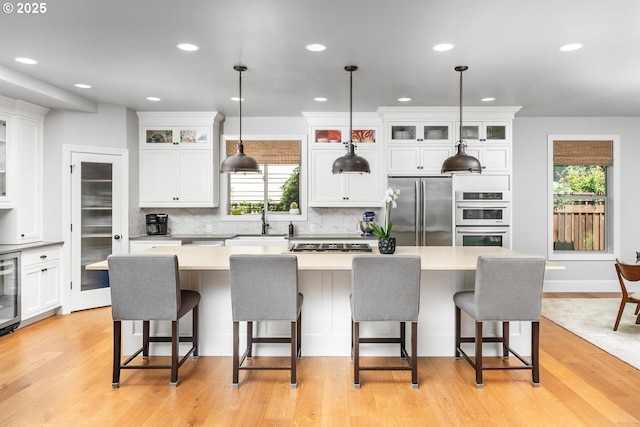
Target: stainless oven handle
[481,231]
[481,206]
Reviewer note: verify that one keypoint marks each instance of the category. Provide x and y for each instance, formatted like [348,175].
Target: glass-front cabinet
[3,159]
[331,136]
[484,132]
[185,137]
[430,132]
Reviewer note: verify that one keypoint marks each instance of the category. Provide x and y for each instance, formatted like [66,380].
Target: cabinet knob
[116,237]
[43,270]
[43,257]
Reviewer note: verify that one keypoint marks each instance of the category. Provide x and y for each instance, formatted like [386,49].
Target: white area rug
[593,319]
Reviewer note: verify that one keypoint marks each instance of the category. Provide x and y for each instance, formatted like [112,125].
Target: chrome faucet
[264,223]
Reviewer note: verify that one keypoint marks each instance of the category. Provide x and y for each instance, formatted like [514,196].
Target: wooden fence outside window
[579,227]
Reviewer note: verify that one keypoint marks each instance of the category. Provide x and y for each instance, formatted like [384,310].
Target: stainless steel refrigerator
[424,216]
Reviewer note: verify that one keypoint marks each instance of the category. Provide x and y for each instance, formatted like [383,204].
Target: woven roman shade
[270,152]
[583,153]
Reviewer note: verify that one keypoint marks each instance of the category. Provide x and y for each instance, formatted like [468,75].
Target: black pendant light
[350,162]
[240,162]
[461,161]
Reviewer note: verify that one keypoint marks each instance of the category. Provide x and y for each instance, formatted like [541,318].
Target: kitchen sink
[258,240]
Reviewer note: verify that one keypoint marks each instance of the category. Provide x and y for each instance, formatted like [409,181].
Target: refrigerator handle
[423,220]
[418,200]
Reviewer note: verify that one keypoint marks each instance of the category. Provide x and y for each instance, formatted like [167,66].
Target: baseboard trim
[581,286]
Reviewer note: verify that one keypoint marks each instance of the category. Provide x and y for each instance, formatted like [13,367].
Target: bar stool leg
[479,354]
[414,354]
[356,354]
[294,351]
[535,353]
[505,340]
[117,352]
[175,340]
[236,362]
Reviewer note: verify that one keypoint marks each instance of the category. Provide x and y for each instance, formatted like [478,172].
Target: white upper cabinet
[179,159]
[21,181]
[327,134]
[347,190]
[5,199]
[431,132]
[484,132]
[419,139]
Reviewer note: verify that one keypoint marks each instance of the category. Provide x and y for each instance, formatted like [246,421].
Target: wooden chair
[265,288]
[147,287]
[630,273]
[385,288]
[506,289]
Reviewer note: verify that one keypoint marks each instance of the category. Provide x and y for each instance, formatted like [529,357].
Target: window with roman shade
[581,186]
[276,188]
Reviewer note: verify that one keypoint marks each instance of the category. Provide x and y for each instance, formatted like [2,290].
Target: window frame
[270,216]
[613,206]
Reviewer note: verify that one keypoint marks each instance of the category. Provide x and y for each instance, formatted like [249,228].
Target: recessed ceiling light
[236,99]
[315,47]
[188,47]
[320,99]
[571,47]
[82,86]
[443,47]
[27,61]
[404,99]
[153,98]
[488,99]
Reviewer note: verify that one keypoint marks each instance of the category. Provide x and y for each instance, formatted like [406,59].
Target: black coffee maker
[157,224]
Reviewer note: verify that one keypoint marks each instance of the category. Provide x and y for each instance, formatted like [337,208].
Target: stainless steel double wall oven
[483,218]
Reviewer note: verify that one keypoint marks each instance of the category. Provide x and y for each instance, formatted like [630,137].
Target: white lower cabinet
[352,190]
[40,287]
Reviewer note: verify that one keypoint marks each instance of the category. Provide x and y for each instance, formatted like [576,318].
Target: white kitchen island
[325,281]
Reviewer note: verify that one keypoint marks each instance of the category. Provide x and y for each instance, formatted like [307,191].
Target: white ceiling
[126,49]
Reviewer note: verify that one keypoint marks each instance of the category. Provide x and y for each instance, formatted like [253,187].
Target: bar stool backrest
[385,288]
[144,287]
[264,287]
[509,288]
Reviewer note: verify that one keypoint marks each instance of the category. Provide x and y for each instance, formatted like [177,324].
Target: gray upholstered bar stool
[506,289]
[385,288]
[265,288]
[147,287]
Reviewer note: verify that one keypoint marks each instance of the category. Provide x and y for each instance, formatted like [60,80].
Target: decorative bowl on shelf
[236,211]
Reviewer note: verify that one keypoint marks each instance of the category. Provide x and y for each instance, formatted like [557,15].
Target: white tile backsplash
[196,221]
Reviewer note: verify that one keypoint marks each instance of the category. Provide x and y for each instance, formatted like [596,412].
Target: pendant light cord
[460,130]
[240,102]
[351,106]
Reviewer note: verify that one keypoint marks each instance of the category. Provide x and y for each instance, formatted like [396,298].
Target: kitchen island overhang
[325,280]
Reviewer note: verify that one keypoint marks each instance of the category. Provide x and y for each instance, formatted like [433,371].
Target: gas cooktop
[331,247]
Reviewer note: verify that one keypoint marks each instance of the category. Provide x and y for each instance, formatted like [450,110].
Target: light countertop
[433,257]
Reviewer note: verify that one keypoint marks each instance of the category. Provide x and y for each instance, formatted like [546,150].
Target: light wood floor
[58,373]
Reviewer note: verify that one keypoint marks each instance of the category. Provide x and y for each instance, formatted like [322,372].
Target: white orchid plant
[389,200]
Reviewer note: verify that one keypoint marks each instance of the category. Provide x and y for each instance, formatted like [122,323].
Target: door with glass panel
[97,224]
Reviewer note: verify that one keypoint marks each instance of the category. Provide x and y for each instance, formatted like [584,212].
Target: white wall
[530,190]
[106,128]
